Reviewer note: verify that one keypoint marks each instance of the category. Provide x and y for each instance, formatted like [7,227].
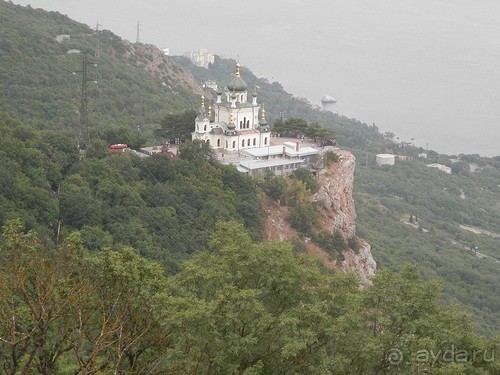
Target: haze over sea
[423,69]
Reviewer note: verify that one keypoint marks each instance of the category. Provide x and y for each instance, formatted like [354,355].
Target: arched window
[254,141]
[248,123]
[244,122]
[208,141]
[265,141]
[234,144]
[248,142]
[226,144]
[218,143]
[242,143]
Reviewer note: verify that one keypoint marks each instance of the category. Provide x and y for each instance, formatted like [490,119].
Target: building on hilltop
[201,58]
[441,167]
[281,159]
[233,123]
[385,159]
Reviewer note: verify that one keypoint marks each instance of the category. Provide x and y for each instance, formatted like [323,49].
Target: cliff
[336,205]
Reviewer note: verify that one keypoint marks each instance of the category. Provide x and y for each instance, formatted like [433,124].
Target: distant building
[210,84]
[201,57]
[61,38]
[151,150]
[167,152]
[441,167]
[385,159]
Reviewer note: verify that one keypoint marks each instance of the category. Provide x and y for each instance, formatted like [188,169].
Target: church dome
[237,84]
[201,109]
[263,120]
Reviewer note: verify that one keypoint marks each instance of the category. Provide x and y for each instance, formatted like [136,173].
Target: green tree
[304,175]
[334,243]
[303,217]
[176,126]
[64,311]
[251,308]
[122,334]
[401,319]
[78,207]
[330,157]
[296,193]
[276,188]
[196,150]
[41,291]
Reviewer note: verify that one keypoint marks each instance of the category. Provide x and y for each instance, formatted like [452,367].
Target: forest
[146,265]
[115,263]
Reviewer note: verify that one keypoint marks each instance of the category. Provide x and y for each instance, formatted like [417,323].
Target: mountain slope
[41,64]
[37,86]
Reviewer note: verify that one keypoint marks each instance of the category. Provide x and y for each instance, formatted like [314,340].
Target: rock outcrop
[155,62]
[361,262]
[335,195]
[336,204]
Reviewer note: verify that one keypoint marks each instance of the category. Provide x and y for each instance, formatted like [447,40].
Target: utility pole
[98,43]
[84,132]
[138,30]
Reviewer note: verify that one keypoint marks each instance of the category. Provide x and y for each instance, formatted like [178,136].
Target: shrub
[333,243]
[354,244]
[303,217]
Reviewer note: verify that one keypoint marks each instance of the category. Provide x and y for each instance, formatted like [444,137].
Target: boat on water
[327,99]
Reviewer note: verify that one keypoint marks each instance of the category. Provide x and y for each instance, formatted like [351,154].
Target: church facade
[234,123]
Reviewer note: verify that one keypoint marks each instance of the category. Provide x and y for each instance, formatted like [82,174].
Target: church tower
[236,124]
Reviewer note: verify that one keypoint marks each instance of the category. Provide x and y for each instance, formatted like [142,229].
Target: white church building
[233,124]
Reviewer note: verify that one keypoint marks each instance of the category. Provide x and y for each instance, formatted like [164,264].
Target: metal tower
[84,132]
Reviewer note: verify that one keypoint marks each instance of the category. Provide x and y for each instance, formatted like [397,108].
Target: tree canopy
[238,307]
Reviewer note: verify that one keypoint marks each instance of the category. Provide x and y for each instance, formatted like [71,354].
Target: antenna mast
[84,132]
[98,44]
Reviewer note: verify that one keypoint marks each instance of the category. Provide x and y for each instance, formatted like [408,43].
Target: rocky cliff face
[335,195]
[336,204]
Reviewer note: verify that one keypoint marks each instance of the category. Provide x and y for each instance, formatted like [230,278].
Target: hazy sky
[424,69]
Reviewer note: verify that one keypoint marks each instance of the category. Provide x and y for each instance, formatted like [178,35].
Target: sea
[426,70]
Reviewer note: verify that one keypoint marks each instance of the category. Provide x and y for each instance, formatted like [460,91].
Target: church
[233,124]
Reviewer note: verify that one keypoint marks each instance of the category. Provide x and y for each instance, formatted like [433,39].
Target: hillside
[41,64]
[136,84]
[116,263]
[385,198]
